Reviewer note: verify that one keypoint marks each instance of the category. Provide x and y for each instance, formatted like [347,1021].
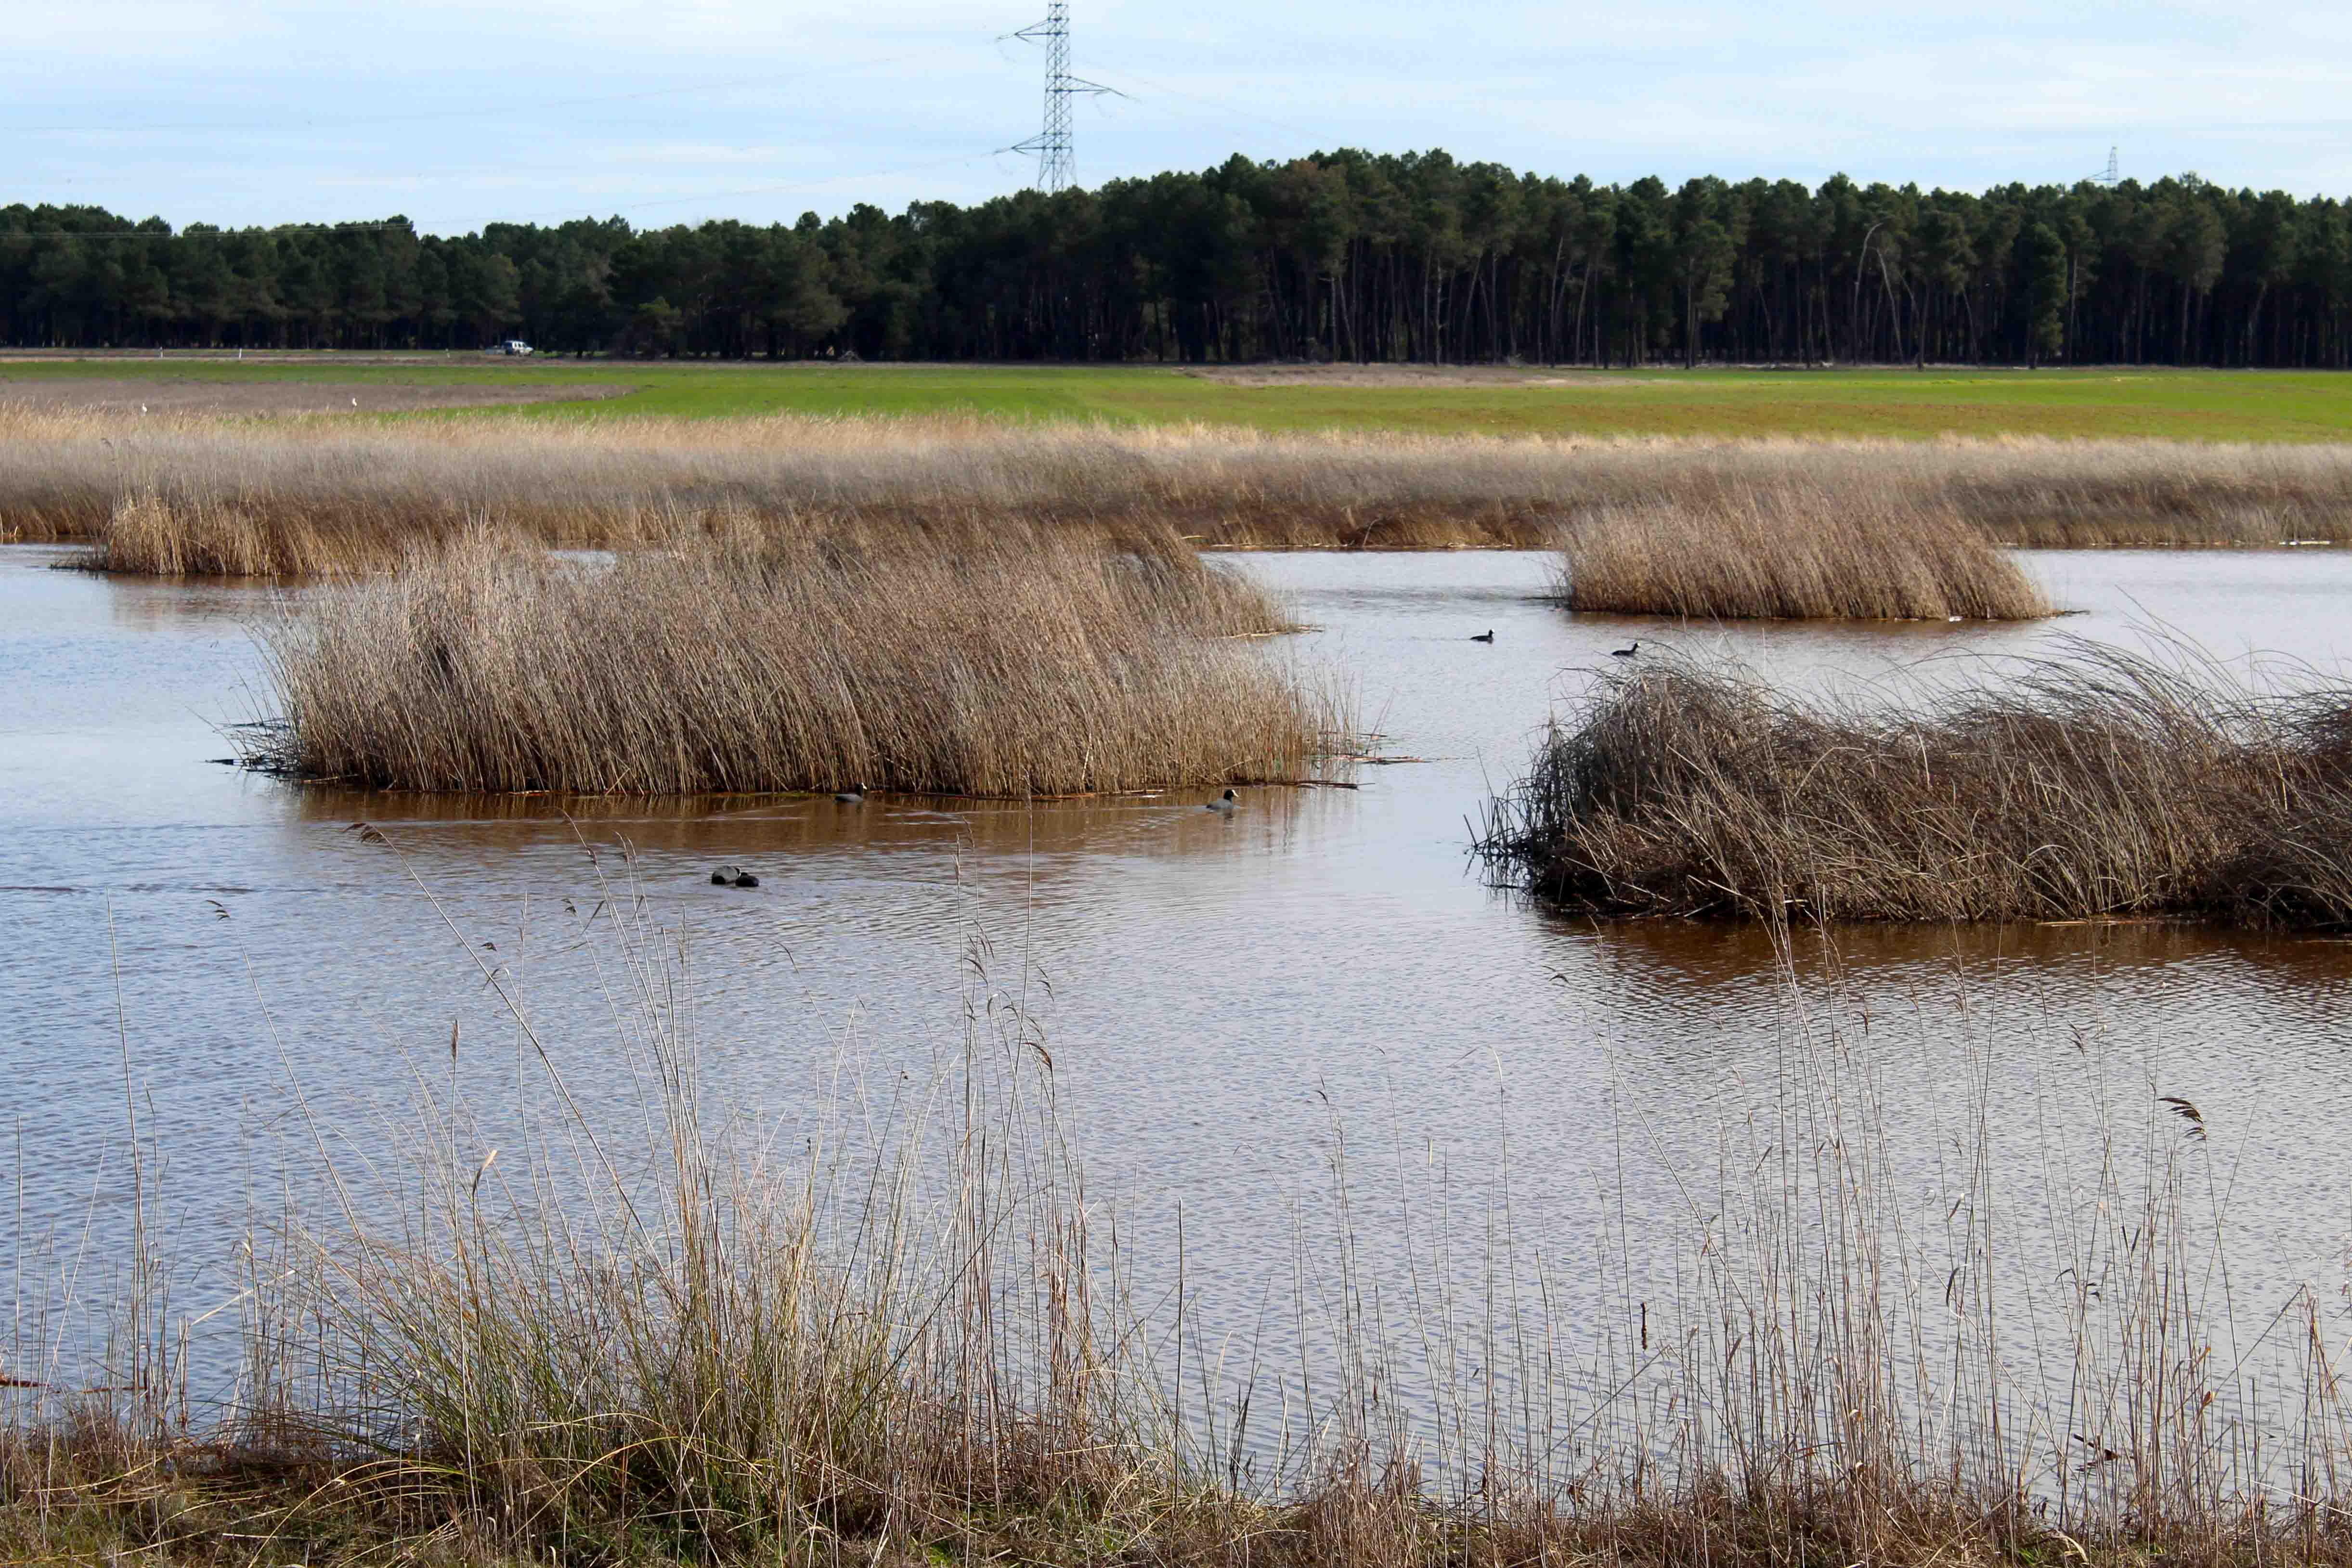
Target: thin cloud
[268,112]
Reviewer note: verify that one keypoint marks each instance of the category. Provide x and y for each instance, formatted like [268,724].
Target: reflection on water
[1217,991]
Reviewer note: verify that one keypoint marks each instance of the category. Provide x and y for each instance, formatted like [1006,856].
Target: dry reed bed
[921,1341]
[307,494]
[1776,552]
[2096,784]
[987,660]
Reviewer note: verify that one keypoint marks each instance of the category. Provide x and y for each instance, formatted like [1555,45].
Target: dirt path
[225,395]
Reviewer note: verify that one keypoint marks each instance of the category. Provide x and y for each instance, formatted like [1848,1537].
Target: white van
[511,346]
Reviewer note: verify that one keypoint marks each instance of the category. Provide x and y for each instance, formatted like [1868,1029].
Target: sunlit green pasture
[2184,405]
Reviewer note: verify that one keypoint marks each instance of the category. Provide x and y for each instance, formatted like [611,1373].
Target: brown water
[1222,997]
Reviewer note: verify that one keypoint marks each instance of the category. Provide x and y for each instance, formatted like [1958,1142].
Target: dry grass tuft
[2102,783]
[1773,553]
[989,660]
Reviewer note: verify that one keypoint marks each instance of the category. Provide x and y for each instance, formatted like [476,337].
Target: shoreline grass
[2098,783]
[926,1341]
[989,660]
[316,495]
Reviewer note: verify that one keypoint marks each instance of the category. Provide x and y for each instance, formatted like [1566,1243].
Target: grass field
[2192,405]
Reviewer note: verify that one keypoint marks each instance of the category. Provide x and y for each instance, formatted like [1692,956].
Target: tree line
[1344,256]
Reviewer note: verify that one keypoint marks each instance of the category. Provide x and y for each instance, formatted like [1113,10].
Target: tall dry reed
[354,496]
[995,659]
[2098,782]
[920,1335]
[1774,553]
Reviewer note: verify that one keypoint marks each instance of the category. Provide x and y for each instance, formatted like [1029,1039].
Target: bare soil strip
[1419,377]
[227,396]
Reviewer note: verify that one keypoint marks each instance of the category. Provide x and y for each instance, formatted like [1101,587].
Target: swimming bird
[725,874]
[1624,653]
[1224,802]
[1484,637]
[854,795]
[745,879]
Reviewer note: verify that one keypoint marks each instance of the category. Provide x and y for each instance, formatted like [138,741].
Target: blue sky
[666,111]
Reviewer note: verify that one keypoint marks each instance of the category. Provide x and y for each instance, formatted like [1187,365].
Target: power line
[1219,110]
[310,121]
[1057,163]
[1053,147]
[274,230]
[501,110]
[953,159]
[208,232]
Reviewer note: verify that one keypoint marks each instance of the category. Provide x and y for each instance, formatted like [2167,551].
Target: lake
[1234,1006]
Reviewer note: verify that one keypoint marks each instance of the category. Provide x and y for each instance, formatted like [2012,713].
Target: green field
[2184,405]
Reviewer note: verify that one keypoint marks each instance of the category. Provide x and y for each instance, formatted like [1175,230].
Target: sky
[263,111]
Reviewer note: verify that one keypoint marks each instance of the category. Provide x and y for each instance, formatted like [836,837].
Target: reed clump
[1770,553]
[987,660]
[354,496]
[204,536]
[2099,783]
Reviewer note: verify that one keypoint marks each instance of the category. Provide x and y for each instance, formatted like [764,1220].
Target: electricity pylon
[1057,165]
